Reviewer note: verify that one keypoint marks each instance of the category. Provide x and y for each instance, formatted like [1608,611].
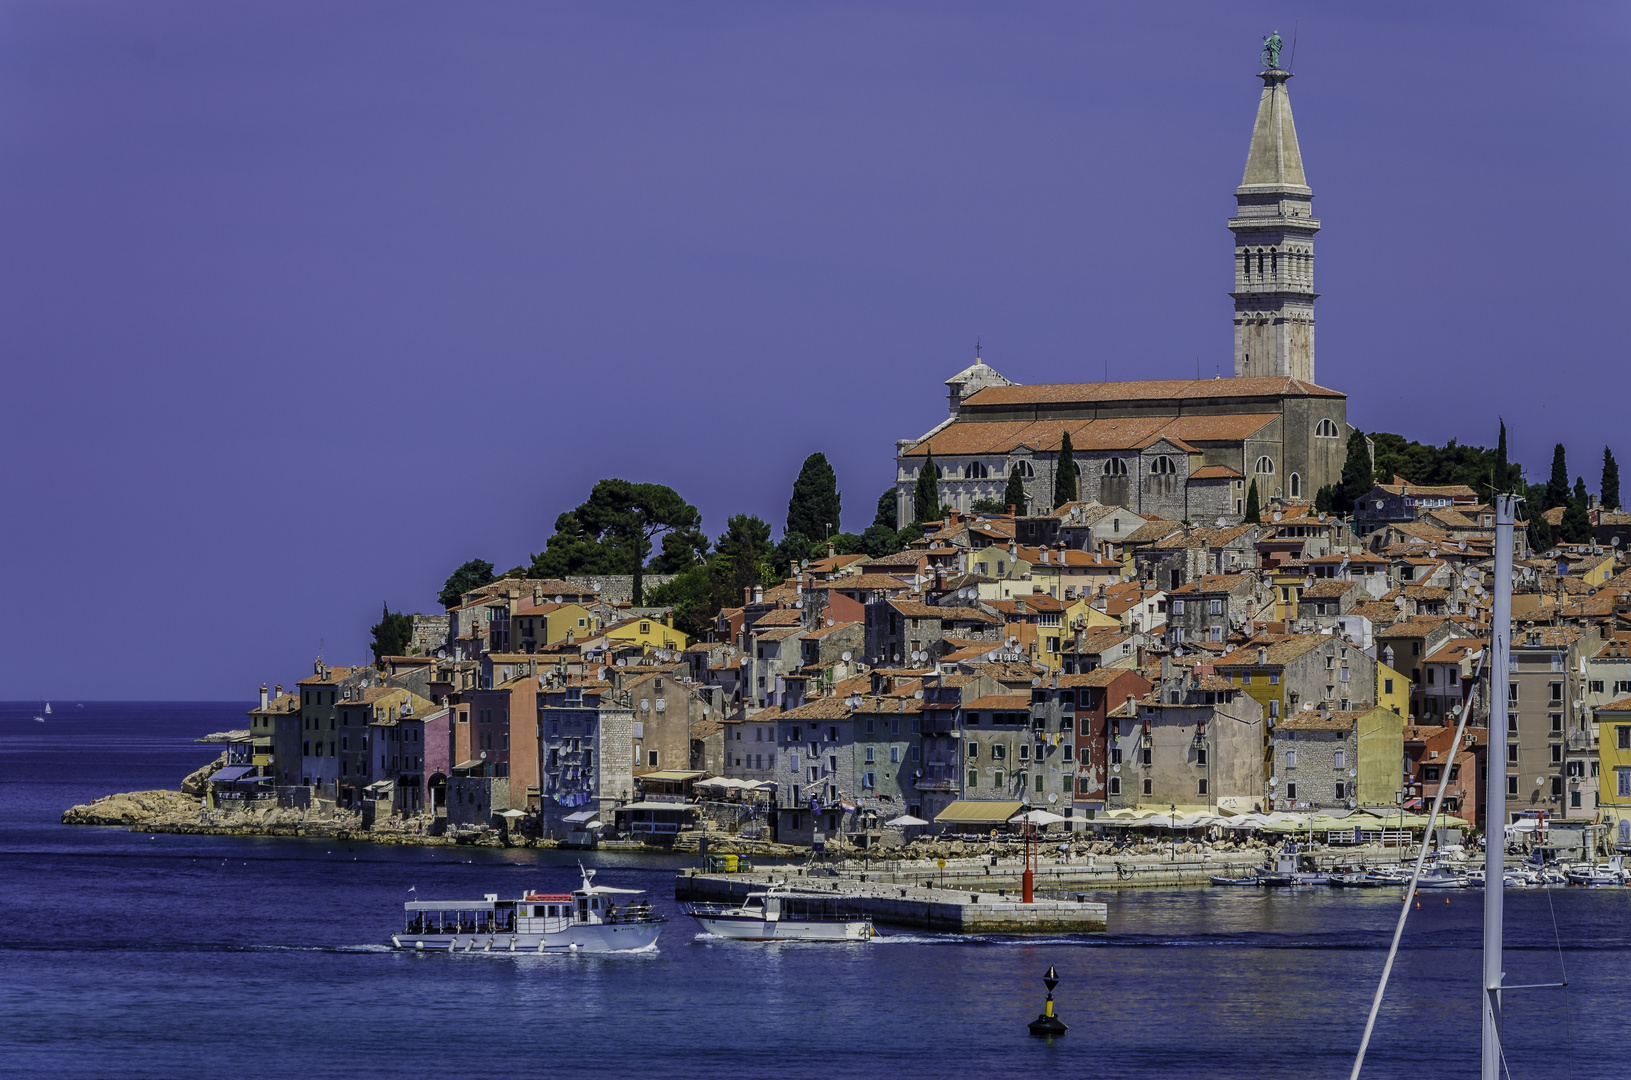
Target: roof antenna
[976,348]
[1292,67]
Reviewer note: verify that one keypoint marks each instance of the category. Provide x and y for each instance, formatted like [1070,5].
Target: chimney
[1262,655]
[263,697]
[537,594]
[1166,666]
[832,549]
[747,595]
[1140,655]
[758,594]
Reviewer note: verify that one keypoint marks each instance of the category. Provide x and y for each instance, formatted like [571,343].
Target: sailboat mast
[1495,786]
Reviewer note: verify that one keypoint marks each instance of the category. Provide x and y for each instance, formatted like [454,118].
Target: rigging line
[1563,973]
[1421,859]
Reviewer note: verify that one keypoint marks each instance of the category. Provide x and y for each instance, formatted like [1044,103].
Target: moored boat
[1249,879]
[588,919]
[781,914]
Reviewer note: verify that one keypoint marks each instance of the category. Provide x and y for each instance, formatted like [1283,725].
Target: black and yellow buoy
[1047,1023]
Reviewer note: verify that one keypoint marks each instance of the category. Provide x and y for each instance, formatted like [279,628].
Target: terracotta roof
[825,708]
[817,634]
[1445,490]
[867,583]
[1098,677]
[915,610]
[1309,720]
[780,617]
[1014,702]
[1326,588]
[1546,637]
[1217,472]
[1217,583]
[1148,390]
[1622,705]
[974,437]
[900,558]
[1279,652]
[776,633]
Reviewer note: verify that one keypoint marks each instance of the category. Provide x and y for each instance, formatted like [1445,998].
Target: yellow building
[1380,735]
[1392,690]
[544,624]
[1614,769]
[647,633]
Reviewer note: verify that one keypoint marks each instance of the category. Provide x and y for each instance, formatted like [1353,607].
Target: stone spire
[1274,231]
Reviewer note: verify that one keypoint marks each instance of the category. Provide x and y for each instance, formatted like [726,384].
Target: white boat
[781,914]
[588,919]
[48,708]
[1609,873]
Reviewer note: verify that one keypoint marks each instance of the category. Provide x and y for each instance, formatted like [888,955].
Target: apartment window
[1144,755]
[1622,737]
[1557,753]
[996,779]
[973,750]
[1115,785]
[1387,686]
[1622,783]
[1622,686]
[1512,785]
[1557,721]
[1200,755]
[869,780]
[651,759]
[1149,786]
[1511,723]
[1557,691]
[973,778]
[894,755]
[1115,755]
[998,752]
[869,725]
[1177,607]
[1512,693]
[1291,792]
[1038,781]
[869,755]
[1596,686]
[1217,607]
[1291,757]
[1274,678]
[1336,758]
[1341,794]
[1512,753]
[1200,786]
[1024,752]
[1557,786]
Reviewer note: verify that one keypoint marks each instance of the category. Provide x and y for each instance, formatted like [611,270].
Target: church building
[1184,449]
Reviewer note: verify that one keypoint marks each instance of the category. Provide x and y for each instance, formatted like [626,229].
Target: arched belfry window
[977,470]
[1296,486]
[1024,468]
[1265,466]
[1115,467]
[1325,430]
[1163,466]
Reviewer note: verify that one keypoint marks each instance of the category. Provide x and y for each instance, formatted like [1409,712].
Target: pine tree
[1064,475]
[814,509]
[1609,491]
[1505,474]
[1576,523]
[1557,488]
[926,499]
[1540,534]
[888,511]
[1254,512]
[1015,494]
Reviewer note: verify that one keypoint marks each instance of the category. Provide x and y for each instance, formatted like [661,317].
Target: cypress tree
[1557,488]
[1540,534]
[1609,491]
[926,499]
[1064,476]
[1015,494]
[1357,478]
[813,510]
[1576,523]
[1254,512]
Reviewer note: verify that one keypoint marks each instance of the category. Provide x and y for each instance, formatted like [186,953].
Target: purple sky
[304,304]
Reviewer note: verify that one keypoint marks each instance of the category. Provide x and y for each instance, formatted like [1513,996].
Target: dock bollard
[1048,1024]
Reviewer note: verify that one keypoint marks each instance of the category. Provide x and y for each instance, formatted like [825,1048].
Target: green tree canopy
[1064,475]
[1014,494]
[1557,488]
[612,531]
[1357,479]
[742,559]
[1609,491]
[888,514]
[880,540]
[472,575]
[391,634]
[1254,511]
[926,497]
[1576,523]
[814,510]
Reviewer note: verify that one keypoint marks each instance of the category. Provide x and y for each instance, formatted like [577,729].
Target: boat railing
[795,913]
[632,913]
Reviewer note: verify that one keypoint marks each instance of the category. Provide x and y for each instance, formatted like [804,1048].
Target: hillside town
[1105,599]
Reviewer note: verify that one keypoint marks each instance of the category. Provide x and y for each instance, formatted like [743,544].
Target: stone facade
[1316,760]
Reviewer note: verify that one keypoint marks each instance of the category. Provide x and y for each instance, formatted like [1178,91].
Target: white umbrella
[905,820]
[512,813]
[1037,817]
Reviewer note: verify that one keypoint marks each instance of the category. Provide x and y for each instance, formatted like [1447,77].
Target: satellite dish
[1615,541]
[1353,773]
[918,695]
[1036,682]
[559,599]
[622,661]
[1352,803]
[829,620]
[1539,780]
[1053,796]
[846,651]
[1274,781]
[1115,768]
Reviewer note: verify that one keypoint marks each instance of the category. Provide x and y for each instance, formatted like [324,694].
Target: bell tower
[1274,227]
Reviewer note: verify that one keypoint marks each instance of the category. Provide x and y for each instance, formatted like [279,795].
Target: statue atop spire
[1271,50]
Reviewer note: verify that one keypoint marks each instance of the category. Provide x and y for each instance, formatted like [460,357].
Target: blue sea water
[132,955]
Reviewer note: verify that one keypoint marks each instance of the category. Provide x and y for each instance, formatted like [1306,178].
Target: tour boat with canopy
[591,918]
